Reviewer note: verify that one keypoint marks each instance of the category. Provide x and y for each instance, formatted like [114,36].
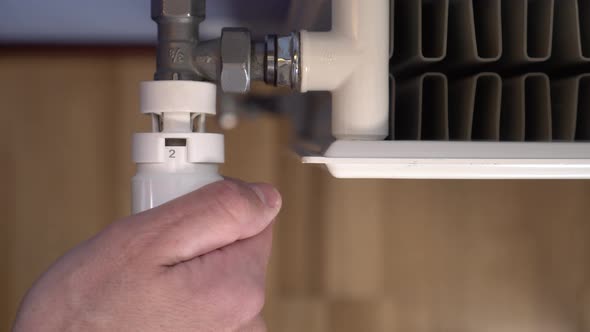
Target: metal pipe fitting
[257,61]
[282,61]
[234,60]
[236,51]
[207,60]
[178,36]
[287,67]
[270,60]
[276,61]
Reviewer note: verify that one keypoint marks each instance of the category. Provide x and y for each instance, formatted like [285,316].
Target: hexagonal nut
[178,8]
[235,60]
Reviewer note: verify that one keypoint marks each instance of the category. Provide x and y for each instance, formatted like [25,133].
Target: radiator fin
[491,70]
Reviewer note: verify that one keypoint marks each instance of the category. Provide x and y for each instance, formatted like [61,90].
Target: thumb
[211,218]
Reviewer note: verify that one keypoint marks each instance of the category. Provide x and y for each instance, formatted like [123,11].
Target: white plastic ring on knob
[200,147]
[177,96]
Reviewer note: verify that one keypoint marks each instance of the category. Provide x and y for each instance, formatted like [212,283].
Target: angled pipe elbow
[352,61]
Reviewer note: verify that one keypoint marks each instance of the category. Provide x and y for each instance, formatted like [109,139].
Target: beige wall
[349,255]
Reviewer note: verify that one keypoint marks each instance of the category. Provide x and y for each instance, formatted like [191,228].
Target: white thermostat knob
[175,158]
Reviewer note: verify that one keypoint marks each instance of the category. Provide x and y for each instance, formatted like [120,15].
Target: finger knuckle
[232,202]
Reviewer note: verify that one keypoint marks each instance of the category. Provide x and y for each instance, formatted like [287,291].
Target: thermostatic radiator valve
[178,156]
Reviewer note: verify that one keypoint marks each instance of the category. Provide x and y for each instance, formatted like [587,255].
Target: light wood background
[349,255]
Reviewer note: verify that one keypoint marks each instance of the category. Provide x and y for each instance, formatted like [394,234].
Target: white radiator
[480,89]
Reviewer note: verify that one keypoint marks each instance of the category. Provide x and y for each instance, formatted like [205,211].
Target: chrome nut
[288,61]
[235,60]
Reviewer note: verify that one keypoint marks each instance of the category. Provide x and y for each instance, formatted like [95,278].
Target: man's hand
[197,263]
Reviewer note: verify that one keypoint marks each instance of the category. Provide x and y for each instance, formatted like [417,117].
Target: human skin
[197,263]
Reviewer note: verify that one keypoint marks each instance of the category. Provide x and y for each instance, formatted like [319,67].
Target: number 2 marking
[172,154]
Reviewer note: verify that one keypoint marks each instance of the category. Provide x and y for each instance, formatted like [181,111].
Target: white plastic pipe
[352,61]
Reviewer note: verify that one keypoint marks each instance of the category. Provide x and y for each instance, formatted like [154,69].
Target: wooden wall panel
[349,255]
